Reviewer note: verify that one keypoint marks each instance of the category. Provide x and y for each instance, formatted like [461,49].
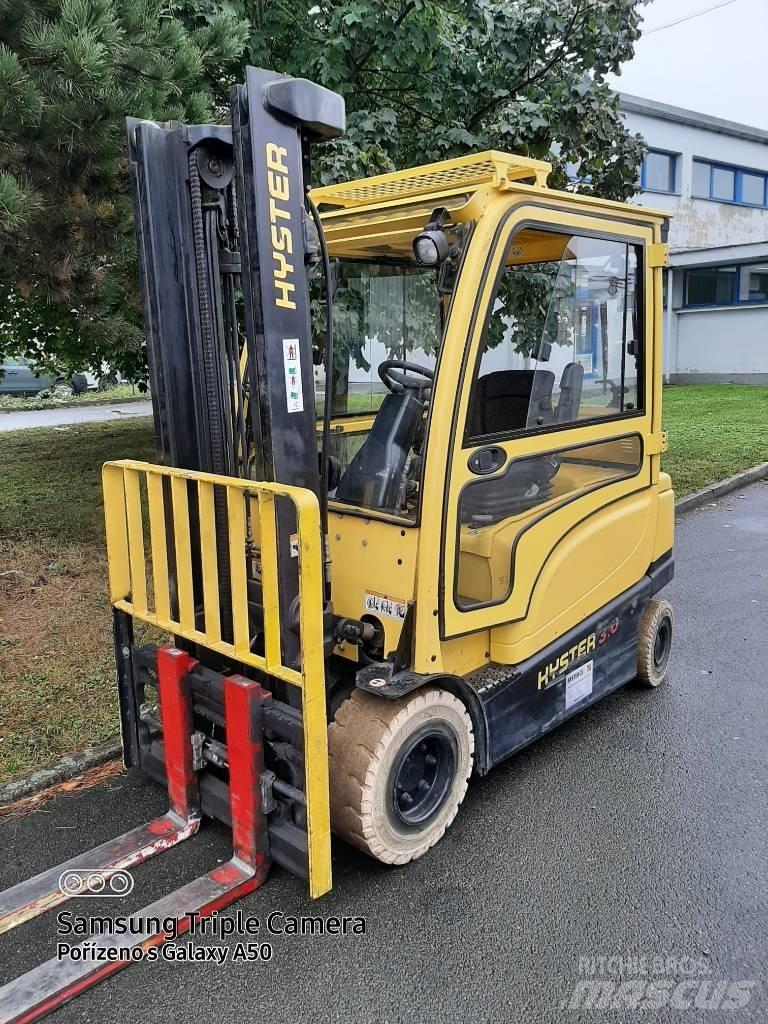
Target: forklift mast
[225,243]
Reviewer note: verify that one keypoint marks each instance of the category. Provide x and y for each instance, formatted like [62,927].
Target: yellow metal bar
[247,486]
[209,556]
[237,570]
[269,579]
[113,485]
[159,545]
[183,548]
[350,424]
[136,553]
[658,254]
[316,785]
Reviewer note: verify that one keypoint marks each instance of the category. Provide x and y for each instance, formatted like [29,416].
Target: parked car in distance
[19,377]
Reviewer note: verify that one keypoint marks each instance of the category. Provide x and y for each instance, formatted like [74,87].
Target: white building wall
[714,343]
[702,223]
[728,342]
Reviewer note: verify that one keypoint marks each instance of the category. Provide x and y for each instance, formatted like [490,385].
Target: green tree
[70,70]
[428,79]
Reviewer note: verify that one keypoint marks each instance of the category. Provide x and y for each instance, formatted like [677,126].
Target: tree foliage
[428,79]
[70,70]
[422,80]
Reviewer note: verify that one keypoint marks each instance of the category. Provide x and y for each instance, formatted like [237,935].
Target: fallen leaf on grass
[93,777]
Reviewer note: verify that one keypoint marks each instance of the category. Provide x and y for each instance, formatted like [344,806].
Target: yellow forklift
[408,514]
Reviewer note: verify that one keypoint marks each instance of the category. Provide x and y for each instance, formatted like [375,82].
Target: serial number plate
[380,604]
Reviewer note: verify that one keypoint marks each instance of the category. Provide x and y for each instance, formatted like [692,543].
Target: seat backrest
[569,399]
[502,400]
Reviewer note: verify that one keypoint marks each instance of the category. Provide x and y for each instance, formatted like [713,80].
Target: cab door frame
[454,621]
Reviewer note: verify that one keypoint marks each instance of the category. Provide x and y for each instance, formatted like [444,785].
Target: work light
[430,248]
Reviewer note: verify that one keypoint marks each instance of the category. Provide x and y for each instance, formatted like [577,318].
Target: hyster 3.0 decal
[552,672]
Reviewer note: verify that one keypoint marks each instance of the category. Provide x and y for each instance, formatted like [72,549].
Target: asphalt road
[73,414]
[636,832]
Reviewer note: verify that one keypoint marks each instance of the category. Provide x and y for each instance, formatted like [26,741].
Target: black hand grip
[487,460]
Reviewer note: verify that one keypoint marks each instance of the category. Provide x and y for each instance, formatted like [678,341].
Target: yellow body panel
[575,573]
[371,556]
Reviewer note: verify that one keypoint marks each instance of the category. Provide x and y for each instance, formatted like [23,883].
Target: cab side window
[563,338]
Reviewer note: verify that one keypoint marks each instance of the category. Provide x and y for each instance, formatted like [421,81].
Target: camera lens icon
[95,882]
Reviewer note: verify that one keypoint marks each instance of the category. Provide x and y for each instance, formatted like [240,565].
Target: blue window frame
[727,184]
[734,285]
[658,172]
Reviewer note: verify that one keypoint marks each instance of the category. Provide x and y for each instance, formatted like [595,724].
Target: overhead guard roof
[462,174]
[379,216]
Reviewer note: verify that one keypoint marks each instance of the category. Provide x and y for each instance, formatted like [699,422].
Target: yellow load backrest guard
[128,560]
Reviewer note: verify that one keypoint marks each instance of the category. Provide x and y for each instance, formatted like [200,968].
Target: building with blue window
[712,176]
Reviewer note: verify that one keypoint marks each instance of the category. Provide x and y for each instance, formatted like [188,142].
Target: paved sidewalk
[83,414]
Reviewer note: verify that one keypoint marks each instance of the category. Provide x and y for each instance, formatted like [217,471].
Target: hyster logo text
[282,238]
[551,672]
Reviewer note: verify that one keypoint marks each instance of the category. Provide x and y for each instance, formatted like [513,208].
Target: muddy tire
[62,389]
[398,771]
[654,645]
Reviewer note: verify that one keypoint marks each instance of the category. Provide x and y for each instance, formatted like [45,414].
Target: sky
[715,63]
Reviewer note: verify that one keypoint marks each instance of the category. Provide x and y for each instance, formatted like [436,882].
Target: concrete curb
[75,764]
[731,483]
[67,768]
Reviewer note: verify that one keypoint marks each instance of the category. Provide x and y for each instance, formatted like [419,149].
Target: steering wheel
[396,374]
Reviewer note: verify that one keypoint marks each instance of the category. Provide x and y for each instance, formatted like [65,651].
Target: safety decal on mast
[294,396]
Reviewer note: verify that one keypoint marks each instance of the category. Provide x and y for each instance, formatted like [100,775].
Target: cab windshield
[381,311]
[385,311]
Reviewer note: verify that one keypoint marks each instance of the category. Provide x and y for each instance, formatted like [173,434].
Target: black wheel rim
[662,644]
[422,774]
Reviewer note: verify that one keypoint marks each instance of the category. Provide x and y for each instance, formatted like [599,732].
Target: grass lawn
[715,430]
[56,662]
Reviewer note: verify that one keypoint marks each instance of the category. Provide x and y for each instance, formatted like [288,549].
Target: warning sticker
[585,359]
[294,396]
[578,684]
[383,605]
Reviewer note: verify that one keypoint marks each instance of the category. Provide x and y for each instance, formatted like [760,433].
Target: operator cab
[538,368]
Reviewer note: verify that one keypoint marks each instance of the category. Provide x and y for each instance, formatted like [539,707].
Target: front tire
[654,645]
[62,389]
[398,771]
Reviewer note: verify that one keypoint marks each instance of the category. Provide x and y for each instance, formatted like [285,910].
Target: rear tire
[654,645]
[398,771]
[62,389]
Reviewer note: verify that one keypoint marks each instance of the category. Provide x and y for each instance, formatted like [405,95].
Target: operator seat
[569,400]
[511,399]
[376,474]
